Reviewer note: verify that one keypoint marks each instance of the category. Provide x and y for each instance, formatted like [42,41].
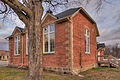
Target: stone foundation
[83,68]
[53,69]
[58,69]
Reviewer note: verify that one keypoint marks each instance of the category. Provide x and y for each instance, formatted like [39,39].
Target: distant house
[101,50]
[4,55]
[69,42]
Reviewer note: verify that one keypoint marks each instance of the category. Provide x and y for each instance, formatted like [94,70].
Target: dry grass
[93,74]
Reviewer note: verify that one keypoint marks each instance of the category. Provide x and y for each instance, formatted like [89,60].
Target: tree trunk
[35,43]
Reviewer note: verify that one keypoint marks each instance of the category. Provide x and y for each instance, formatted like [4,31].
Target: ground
[93,74]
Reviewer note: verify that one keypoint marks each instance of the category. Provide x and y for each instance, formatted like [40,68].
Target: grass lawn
[93,74]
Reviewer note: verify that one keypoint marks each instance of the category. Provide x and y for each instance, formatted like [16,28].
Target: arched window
[17,45]
[87,41]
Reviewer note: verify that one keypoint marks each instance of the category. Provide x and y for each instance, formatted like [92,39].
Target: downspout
[22,50]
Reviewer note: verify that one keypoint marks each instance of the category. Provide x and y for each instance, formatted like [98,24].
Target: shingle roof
[100,45]
[21,29]
[4,52]
[68,12]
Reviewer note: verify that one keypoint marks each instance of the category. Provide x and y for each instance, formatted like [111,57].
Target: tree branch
[19,10]
[18,5]
[5,10]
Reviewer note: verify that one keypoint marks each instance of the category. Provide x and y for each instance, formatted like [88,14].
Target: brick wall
[12,58]
[79,23]
[59,59]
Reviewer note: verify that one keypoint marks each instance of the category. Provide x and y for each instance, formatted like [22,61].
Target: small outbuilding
[4,55]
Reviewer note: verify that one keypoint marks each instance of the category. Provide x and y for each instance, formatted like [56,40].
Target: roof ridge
[19,27]
[22,29]
[67,12]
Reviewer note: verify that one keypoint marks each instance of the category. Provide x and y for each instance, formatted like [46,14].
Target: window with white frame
[17,45]
[49,39]
[87,41]
[27,43]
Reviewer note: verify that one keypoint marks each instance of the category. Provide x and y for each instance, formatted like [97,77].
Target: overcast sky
[108,21]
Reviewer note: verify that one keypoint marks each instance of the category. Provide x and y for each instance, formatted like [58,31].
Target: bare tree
[30,12]
[113,50]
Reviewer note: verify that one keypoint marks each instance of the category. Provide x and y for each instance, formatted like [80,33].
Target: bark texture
[31,15]
[35,43]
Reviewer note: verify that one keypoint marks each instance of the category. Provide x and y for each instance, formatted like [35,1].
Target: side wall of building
[81,60]
[15,59]
[59,61]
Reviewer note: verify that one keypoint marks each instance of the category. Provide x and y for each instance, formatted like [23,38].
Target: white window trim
[27,43]
[48,40]
[17,45]
[89,40]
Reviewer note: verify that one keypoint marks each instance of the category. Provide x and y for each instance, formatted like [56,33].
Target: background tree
[30,12]
[113,50]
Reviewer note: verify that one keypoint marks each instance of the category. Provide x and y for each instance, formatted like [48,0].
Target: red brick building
[69,42]
[101,50]
[4,55]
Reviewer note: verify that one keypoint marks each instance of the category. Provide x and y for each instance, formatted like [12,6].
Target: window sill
[48,53]
[17,55]
[87,53]
[26,54]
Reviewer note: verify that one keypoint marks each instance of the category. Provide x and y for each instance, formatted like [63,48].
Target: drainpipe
[80,60]
[22,51]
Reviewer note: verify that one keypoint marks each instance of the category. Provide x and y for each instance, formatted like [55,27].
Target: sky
[107,19]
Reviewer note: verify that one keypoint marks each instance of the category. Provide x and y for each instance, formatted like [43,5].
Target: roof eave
[62,19]
[94,23]
[46,16]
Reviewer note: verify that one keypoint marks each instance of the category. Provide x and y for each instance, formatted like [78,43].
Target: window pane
[87,41]
[27,43]
[18,38]
[52,42]
[18,47]
[52,28]
[88,44]
[15,39]
[15,47]
[46,43]
[85,44]
[87,32]
[46,29]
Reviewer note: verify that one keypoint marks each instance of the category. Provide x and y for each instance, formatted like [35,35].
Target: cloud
[4,46]
[109,23]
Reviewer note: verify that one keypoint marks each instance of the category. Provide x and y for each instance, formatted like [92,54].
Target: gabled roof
[47,15]
[4,52]
[64,15]
[19,28]
[68,12]
[72,12]
[100,45]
